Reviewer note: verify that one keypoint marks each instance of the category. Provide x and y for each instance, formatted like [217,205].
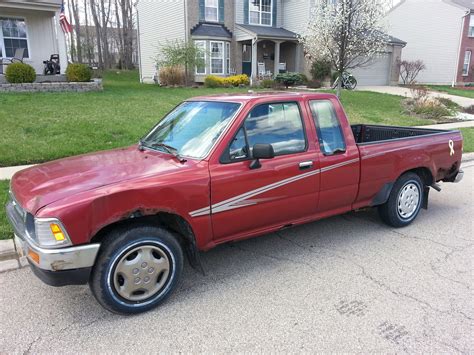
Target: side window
[238,147]
[331,139]
[278,124]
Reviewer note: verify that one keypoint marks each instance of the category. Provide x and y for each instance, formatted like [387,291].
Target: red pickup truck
[216,169]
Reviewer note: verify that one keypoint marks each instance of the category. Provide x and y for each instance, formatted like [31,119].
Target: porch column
[276,63]
[61,43]
[254,58]
[298,56]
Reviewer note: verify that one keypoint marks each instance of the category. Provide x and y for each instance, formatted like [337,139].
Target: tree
[348,33]
[181,53]
[409,70]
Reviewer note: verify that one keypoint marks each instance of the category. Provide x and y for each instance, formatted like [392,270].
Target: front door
[246,201]
[247,59]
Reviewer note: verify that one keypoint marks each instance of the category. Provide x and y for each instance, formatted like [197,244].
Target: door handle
[306,165]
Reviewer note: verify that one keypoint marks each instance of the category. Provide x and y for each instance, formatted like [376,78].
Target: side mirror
[261,151]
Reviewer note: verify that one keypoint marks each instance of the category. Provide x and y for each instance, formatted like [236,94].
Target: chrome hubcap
[141,273]
[408,200]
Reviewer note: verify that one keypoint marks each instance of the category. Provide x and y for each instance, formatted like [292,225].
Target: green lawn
[38,127]
[5,229]
[453,91]
[468,138]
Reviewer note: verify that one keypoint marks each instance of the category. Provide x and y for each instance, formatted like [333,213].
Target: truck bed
[365,134]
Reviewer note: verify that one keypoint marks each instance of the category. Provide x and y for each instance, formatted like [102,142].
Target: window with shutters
[260,12]
[211,12]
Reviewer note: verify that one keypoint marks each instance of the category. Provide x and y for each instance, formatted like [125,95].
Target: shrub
[212,81]
[409,70]
[20,73]
[172,75]
[289,79]
[237,80]
[320,70]
[431,108]
[78,72]
[267,83]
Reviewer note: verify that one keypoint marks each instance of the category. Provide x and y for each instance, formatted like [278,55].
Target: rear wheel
[404,202]
[137,269]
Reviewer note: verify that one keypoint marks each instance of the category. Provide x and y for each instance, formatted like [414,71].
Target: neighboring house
[254,37]
[33,25]
[440,33]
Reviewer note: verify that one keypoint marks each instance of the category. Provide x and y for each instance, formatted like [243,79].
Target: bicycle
[349,82]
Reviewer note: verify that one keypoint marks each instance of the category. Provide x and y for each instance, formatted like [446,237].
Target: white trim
[2,39]
[227,58]
[212,7]
[467,62]
[222,58]
[205,56]
[259,23]
[243,200]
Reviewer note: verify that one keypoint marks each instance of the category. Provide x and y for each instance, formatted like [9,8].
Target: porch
[34,26]
[263,52]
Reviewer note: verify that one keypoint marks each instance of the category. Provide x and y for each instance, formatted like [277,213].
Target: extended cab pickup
[216,169]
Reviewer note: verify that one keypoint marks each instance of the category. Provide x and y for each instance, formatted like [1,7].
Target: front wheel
[350,83]
[136,269]
[404,202]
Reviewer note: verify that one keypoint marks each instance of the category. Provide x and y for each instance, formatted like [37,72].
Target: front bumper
[59,267]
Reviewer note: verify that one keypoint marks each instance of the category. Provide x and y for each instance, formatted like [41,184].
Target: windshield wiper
[169,149]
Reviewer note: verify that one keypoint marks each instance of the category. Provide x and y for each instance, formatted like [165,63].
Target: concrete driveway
[403,91]
[345,284]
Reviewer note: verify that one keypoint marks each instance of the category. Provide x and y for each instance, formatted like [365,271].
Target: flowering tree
[348,33]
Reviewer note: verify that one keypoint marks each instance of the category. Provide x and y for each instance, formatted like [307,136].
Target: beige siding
[159,21]
[41,35]
[239,11]
[432,31]
[295,15]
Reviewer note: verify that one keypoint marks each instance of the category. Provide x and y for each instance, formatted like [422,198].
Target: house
[441,34]
[33,25]
[254,37]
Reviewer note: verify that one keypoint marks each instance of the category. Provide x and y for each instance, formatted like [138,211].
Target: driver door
[246,201]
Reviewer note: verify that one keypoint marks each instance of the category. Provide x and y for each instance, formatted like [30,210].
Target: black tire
[352,83]
[390,212]
[114,250]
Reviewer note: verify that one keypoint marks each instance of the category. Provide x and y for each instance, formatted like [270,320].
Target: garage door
[376,73]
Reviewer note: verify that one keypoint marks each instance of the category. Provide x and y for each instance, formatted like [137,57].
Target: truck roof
[259,95]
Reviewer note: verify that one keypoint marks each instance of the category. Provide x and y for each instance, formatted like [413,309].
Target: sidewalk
[404,91]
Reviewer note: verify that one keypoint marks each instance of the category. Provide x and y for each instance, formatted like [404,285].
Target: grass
[6,231]
[468,137]
[453,91]
[38,127]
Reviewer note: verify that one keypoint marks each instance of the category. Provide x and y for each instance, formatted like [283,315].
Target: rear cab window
[329,130]
[279,124]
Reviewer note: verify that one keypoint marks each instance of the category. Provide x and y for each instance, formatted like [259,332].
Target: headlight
[50,233]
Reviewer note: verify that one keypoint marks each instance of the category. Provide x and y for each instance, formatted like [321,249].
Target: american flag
[65,25]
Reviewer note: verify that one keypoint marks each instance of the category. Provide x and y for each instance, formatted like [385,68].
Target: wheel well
[173,222]
[424,174]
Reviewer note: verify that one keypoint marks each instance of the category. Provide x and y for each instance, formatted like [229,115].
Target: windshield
[192,128]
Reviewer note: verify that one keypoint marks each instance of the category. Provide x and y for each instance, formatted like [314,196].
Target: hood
[43,184]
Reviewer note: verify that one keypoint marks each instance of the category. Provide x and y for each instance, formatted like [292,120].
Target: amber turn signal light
[57,232]
[33,256]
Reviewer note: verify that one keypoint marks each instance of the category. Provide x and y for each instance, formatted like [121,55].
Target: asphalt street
[345,284]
